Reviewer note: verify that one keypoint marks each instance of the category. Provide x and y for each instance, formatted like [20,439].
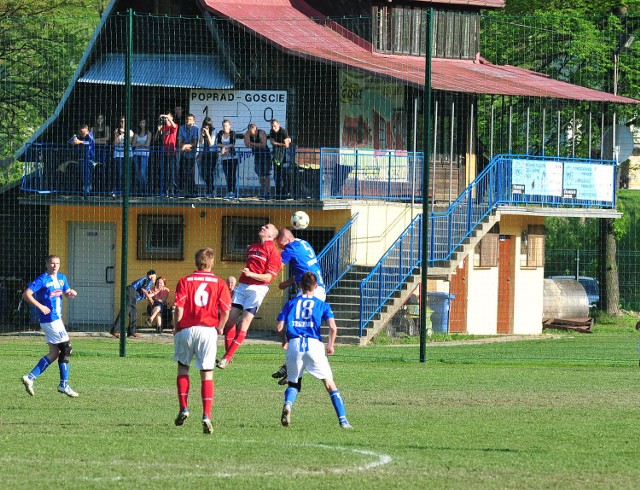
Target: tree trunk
[611,287]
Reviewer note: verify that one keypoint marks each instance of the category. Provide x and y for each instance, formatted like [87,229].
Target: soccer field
[559,412]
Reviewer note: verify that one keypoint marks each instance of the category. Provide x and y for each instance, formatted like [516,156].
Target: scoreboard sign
[241,107]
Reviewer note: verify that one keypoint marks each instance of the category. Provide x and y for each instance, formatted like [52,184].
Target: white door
[92,253]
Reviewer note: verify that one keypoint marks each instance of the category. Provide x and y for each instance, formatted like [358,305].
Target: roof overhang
[298,34]
[160,70]
[565,212]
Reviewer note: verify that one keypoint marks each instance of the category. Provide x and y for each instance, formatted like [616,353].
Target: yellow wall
[377,227]
[203,228]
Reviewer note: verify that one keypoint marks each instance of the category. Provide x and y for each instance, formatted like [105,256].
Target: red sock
[183,390]
[206,389]
[229,335]
[240,336]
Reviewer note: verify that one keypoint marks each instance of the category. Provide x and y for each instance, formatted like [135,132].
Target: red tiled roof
[288,25]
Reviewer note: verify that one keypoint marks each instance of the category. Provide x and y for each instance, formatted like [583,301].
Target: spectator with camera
[168,167]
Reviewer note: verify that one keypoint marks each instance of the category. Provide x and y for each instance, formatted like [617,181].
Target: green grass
[559,412]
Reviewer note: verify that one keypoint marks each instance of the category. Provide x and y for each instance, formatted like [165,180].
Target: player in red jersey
[263,264]
[200,298]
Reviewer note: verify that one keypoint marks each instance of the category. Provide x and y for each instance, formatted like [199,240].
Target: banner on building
[372,113]
[241,107]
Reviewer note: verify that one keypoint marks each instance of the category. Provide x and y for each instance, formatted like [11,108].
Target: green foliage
[42,45]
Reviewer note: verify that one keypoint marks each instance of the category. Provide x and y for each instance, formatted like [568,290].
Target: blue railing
[495,186]
[336,258]
[67,169]
[500,183]
[398,263]
[389,175]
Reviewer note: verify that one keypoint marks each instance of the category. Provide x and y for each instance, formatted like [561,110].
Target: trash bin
[440,303]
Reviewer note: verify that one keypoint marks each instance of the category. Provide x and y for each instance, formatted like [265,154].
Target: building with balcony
[347,80]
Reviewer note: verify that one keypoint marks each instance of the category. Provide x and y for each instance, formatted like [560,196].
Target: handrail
[493,187]
[335,258]
[398,263]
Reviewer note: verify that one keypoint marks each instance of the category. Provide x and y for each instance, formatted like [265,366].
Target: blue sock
[338,404]
[42,365]
[64,373]
[290,395]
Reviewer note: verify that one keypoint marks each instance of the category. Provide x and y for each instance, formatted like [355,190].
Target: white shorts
[201,342]
[319,293]
[54,332]
[307,354]
[249,296]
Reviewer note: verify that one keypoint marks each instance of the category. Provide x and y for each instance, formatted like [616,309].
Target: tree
[40,46]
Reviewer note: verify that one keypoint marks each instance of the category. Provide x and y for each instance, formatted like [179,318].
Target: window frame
[146,251]
[230,224]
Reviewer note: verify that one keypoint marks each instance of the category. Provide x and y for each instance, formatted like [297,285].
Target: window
[160,237]
[486,251]
[238,233]
[532,247]
[400,29]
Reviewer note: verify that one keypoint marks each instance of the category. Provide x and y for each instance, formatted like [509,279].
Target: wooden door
[505,302]
[458,288]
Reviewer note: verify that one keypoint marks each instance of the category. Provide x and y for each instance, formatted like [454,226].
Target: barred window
[486,250]
[237,233]
[400,30]
[160,237]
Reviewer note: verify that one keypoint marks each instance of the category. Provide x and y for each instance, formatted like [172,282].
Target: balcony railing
[66,169]
[521,180]
[326,173]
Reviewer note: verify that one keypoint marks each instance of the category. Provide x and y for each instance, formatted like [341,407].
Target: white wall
[482,300]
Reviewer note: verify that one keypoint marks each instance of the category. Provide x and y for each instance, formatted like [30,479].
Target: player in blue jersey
[136,291]
[301,258]
[299,321]
[45,293]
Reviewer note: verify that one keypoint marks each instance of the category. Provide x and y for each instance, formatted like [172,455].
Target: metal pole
[413,170]
[493,110]
[510,128]
[453,113]
[590,133]
[573,135]
[544,123]
[426,111]
[528,116]
[558,136]
[435,145]
[125,190]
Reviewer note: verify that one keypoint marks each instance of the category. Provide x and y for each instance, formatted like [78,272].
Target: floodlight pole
[124,256]
[426,152]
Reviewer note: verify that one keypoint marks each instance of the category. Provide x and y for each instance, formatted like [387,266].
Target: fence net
[130,140]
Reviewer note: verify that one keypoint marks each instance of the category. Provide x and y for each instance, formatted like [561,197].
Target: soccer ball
[299,220]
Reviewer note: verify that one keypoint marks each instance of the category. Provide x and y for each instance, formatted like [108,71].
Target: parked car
[590,285]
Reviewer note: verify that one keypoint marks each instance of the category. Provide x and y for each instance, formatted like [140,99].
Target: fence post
[426,114]
[125,190]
